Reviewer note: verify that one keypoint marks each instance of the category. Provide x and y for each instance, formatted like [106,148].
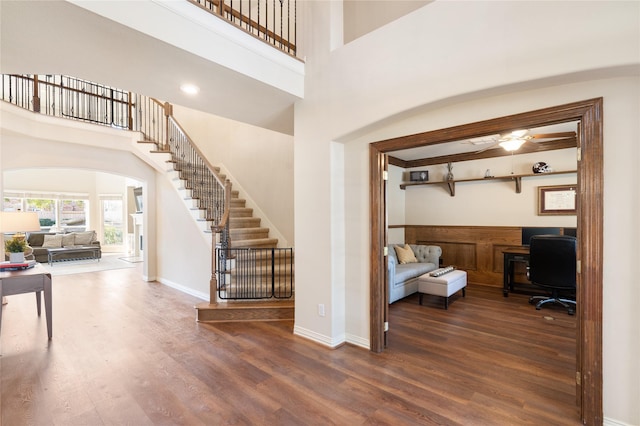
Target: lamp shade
[19,222]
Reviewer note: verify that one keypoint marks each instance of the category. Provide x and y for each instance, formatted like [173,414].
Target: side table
[36,280]
[512,255]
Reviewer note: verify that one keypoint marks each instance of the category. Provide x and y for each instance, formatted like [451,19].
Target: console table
[511,256]
[36,280]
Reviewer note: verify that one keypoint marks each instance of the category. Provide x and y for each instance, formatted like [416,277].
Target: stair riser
[257,313]
[239,223]
[241,212]
[254,235]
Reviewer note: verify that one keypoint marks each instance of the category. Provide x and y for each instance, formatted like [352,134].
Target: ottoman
[444,285]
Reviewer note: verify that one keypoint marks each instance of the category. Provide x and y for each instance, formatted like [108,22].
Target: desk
[35,279]
[512,255]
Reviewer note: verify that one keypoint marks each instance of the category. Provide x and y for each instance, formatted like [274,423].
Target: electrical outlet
[321,309]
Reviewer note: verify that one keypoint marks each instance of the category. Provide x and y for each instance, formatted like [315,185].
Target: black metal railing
[274,21]
[254,273]
[69,97]
[211,192]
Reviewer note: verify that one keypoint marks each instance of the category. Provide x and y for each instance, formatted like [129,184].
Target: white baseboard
[358,341]
[318,338]
[610,422]
[187,290]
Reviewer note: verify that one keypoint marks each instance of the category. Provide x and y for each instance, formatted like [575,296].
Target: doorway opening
[589,220]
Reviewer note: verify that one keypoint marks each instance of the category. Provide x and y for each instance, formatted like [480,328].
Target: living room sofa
[72,239]
[403,278]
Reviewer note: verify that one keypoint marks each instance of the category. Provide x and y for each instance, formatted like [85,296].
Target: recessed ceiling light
[189,89]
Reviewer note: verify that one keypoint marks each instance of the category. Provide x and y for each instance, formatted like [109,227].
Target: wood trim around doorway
[589,220]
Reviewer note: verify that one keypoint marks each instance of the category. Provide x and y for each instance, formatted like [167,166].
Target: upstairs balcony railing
[69,97]
[274,21]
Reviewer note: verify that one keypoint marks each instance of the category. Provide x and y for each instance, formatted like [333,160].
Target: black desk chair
[552,265]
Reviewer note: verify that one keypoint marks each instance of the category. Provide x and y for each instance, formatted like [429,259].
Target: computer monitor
[529,232]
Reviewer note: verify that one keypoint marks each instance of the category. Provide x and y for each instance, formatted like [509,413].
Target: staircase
[245,232]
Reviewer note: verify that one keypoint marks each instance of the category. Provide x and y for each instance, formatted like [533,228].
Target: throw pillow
[52,241]
[85,238]
[68,240]
[405,254]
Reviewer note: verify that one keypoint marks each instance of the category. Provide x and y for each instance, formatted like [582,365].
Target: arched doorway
[589,219]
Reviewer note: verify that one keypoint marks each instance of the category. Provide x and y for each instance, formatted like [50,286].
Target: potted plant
[16,247]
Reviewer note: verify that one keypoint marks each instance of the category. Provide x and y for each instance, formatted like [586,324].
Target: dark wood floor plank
[125,351]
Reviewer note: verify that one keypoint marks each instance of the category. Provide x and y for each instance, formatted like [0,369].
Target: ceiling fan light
[518,133]
[512,144]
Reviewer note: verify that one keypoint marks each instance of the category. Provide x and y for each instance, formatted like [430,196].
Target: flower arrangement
[15,245]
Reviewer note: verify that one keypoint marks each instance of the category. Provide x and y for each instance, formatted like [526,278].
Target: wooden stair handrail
[226,184]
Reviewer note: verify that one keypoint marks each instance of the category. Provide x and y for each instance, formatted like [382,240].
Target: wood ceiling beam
[490,153]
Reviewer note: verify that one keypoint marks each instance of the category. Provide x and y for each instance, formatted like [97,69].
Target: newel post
[36,95]
[213,282]
[130,112]
[168,112]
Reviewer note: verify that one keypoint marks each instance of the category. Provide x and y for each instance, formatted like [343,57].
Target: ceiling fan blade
[487,148]
[554,135]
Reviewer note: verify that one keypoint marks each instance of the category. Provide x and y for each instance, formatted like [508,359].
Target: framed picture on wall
[557,200]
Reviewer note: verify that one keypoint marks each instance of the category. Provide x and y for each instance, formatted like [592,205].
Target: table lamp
[18,223]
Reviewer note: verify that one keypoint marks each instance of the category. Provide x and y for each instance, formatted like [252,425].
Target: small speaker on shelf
[419,176]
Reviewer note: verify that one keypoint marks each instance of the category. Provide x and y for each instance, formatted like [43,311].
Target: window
[46,209]
[57,212]
[73,215]
[112,221]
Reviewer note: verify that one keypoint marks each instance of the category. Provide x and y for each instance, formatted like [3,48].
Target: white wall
[259,163]
[396,203]
[452,63]
[184,251]
[363,16]
[493,202]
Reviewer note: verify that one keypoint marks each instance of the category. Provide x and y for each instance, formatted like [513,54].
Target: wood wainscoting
[475,249]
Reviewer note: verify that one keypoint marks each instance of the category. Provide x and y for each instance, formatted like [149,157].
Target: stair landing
[245,311]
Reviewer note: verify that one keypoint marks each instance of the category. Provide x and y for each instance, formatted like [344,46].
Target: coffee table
[55,253]
[444,285]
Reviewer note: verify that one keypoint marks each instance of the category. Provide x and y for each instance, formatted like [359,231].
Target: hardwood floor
[129,352]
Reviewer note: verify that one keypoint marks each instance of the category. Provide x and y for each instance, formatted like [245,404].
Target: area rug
[107,262]
[132,259]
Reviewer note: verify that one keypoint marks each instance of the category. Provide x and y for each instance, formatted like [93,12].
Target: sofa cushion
[68,239]
[35,239]
[405,254]
[84,238]
[52,241]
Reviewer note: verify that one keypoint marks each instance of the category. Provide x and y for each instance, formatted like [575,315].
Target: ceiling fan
[512,141]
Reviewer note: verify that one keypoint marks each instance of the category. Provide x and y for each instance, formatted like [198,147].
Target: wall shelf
[451,184]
